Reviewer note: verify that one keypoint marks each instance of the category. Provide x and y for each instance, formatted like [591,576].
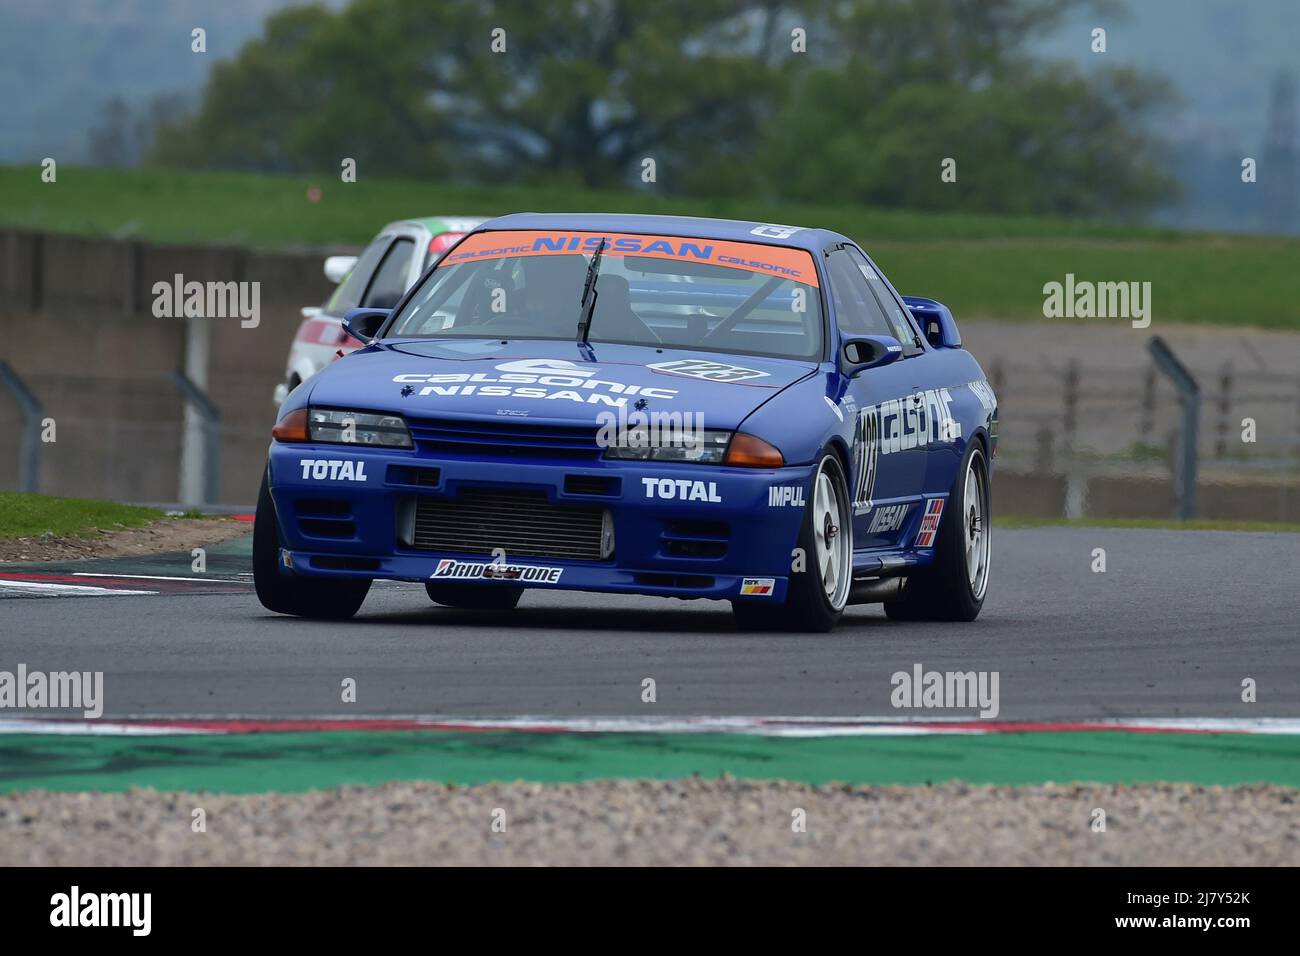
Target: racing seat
[615,319]
[552,292]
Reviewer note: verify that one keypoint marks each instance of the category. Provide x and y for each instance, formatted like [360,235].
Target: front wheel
[823,571]
[327,598]
[953,587]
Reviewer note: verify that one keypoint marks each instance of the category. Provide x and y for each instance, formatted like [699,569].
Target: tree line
[921,104]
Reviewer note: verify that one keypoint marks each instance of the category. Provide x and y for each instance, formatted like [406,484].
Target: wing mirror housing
[338,267]
[364,324]
[869,351]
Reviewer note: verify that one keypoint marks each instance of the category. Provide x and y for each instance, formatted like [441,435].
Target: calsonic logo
[333,469]
[921,419]
[785,496]
[710,371]
[542,379]
[527,573]
[929,523]
[887,519]
[762,587]
[681,489]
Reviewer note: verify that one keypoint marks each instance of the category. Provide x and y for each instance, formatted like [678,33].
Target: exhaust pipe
[876,590]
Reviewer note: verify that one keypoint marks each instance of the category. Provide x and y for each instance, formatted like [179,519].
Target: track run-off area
[1131,674]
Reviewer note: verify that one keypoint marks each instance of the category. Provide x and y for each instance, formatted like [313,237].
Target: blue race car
[690,408]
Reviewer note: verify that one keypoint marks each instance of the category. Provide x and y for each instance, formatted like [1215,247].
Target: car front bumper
[678,530]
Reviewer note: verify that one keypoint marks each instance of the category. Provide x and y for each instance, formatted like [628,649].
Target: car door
[348,293]
[888,461]
[391,276]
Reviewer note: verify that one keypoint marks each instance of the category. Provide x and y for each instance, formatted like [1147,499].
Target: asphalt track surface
[1171,628]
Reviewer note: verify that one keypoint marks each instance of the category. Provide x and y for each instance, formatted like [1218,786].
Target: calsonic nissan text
[691,408]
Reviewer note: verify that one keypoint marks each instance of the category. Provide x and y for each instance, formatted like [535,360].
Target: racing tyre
[478,598]
[325,598]
[816,595]
[953,587]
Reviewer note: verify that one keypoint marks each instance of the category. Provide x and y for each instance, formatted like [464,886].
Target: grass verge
[982,266]
[25,515]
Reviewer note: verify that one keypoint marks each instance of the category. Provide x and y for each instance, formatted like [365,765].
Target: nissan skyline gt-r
[690,408]
[392,262]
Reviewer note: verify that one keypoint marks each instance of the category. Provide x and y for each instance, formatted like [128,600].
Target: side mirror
[338,267]
[363,324]
[870,351]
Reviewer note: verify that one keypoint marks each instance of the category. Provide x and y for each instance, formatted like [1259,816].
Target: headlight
[358,428]
[706,447]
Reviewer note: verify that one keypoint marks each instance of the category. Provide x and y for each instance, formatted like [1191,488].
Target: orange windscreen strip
[794,264]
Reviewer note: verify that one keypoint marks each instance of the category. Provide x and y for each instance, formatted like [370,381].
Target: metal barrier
[210,463]
[1190,392]
[30,451]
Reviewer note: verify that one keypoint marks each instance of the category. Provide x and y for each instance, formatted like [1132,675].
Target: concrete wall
[76,324]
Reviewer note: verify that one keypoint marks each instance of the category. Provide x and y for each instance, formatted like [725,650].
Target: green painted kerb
[251,763]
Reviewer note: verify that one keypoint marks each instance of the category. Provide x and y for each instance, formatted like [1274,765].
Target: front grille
[695,539]
[512,438]
[325,518]
[327,528]
[591,485]
[409,475]
[522,523]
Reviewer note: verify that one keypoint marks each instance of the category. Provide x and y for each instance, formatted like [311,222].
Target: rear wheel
[483,598]
[953,587]
[819,584]
[327,598]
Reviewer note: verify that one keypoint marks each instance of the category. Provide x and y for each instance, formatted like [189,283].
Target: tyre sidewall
[806,600]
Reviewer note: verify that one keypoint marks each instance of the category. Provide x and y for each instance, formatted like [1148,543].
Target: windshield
[707,294]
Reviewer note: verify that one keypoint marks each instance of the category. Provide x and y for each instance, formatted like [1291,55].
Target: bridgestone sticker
[470,570]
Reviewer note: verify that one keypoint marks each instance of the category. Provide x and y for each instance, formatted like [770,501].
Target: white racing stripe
[763,726]
[152,577]
[88,727]
[68,590]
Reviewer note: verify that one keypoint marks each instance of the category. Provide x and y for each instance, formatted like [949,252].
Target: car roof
[440,224]
[690,227]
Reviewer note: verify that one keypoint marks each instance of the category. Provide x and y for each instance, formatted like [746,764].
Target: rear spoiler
[936,321]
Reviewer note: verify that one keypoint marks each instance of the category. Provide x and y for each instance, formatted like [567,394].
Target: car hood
[560,382]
